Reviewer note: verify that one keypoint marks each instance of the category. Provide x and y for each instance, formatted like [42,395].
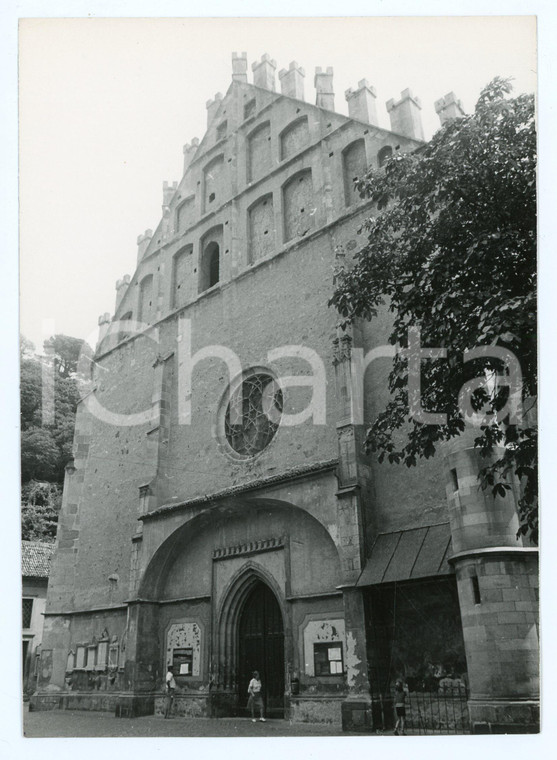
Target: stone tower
[497,578]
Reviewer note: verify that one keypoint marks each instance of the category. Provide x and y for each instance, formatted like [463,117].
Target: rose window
[253,414]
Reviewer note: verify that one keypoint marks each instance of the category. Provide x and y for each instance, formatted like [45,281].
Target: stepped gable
[231,118]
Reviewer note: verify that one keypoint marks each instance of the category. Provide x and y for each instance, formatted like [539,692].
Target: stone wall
[316,710]
[499,607]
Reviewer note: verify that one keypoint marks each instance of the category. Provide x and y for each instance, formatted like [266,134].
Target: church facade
[219,515]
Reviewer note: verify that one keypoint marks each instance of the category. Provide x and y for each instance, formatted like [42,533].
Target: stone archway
[209,564]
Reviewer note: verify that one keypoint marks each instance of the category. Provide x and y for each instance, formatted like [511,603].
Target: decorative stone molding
[319,631]
[253,547]
[188,635]
[242,488]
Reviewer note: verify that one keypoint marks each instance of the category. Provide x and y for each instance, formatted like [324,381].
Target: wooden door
[261,638]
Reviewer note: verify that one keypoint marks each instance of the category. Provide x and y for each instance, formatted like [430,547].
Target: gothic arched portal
[261,647]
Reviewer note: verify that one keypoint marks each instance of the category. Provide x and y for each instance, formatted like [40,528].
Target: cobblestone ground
[66,723]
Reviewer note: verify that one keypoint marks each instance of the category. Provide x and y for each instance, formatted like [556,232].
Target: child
[400,707]
[255,698]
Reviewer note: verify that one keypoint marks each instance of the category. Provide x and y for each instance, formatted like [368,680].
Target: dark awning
[407,554]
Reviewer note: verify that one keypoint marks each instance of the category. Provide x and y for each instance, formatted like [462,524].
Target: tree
[451,250]
[40,505]
[40,455]
[30,392]
[46,443]
[26,348]
[67,352]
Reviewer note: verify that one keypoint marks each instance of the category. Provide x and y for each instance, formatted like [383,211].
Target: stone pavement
[66,723]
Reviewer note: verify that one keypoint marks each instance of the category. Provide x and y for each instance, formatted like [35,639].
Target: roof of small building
[403,555]
[35,558]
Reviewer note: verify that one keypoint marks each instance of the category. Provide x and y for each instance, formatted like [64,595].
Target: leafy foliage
[45,443]
[30,392]
[39,455]
[67,352]
[46,440]
[452,250]
[39,511]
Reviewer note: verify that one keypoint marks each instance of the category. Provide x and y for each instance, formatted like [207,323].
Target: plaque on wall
[102,655]
[113,656]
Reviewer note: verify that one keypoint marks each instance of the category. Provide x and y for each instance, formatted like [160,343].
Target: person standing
[400,708]
[170,689]
[255,699]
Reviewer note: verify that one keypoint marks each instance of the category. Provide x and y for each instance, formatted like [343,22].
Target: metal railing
[444,711]
[428,712]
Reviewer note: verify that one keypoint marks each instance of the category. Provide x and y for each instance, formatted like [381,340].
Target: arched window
[210,266]
[259,152]
[298,206]
[354,164]
[384,155]
[214,265]
[261,229]
[212,182]
[294,138]
[146,299]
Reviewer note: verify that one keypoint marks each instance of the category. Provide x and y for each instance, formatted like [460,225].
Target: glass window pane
[27,612]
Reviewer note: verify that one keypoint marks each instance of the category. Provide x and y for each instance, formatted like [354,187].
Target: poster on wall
[182,660]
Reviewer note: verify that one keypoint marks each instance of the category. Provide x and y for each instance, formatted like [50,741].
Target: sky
[106,105]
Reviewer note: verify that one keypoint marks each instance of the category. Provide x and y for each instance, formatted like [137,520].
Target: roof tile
[35,558]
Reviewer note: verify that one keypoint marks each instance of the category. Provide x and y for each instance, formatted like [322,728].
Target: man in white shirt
[170,688]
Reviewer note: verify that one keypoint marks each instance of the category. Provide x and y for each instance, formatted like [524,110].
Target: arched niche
[383,155]
[146,305]
[182,566]
[354,165]
[213,175]
[294,138]
[259,152]
[298,205]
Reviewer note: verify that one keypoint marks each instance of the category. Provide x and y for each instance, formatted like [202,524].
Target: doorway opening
[414,633]
[261,647]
